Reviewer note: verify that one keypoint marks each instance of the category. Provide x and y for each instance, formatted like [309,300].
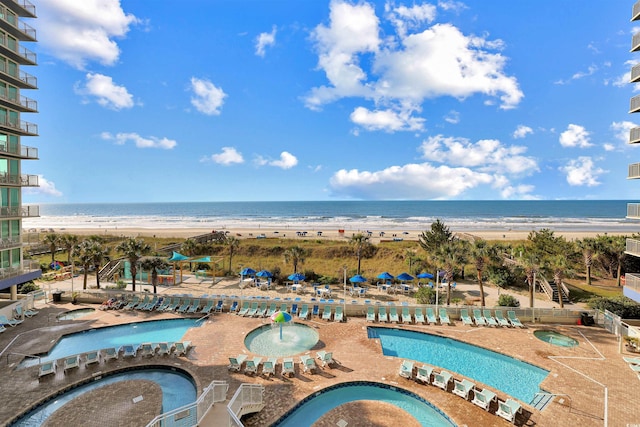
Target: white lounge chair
[444,317]
[442,380]
[269,366]
[91,358]
[71,362]
[501,320]
[326,357]
[424,374]
[288,367]
[406,315]
[478,317]
[382,314]
[244,309]
[181,348]
[431,316]
[483,398]
[393,315]
[110,353]
[371,314]
[28,313]
[304,311]
[338,315]
[165,348]
[489,318]
[308,364]
[508,410]
[148,349]
[464,315]
[326,313]
[419,316]
[251,365]
[633,360]
[463,388]
[406,369]
[513,319]
[129,350]
[235,363]
[47,368]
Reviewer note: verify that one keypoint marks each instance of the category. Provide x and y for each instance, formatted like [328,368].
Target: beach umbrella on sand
[385,276]
[357,279]
[405,277]
[264,273]
[425,276]
[280,317]
[247,271]
[296,277]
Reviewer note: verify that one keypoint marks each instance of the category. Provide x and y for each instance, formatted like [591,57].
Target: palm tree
[438,235]
[296,255]
[450,256]
[360,244]
[189,247]
[69,241]
[588,246]
[233,244]
[99,254]
[530,266]
[133,250]
[618,251]
[154,264]
[480,253]
[85,255]
[52,240]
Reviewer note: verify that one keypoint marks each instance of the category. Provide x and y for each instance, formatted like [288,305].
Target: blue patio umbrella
[247,271]
[296,277]
[264,273]
[425,276]
[357,279]
[385,276]
[405,276]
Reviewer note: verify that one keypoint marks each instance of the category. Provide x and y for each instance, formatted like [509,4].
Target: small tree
[133,250]
[295,255]
[233,244]
[154,264]
[52,240]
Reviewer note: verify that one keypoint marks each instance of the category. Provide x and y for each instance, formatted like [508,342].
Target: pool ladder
[542,399]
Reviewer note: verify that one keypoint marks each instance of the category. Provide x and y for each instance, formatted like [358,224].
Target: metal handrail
[33,356]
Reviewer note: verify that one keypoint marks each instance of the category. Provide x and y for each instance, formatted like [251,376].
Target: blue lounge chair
[462,388]
[326,313]
[406,315]
[304,312]
[424,374]
[185,306]
[294,309]
[273,307]
[371,314]
[393,315]
[11,322]
[253,311]
[406,369]
[444,317]
[489,318]
[165,348]
[130,350]
[508,410]
[431,316]
[308,364]
[483,398]
[316,310]
[338,315]
[193,308]
[269,366]
[325,357]
[262,310]
[110,353]
[501,320]
[442,380]
[181,348]
[148,349]
[288,366]
[235,363]
[91,357]
[464,315]
[20,311]
[244,309]
[251,366]
[419,317]
[382,314]
[513,319]
[71,362]
[478,317]
[132,303]
[47,368]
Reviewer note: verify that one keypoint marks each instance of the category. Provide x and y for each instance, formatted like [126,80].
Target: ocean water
[566,215]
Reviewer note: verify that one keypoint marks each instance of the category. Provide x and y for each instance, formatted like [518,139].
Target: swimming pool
[296,338]
[518,379]
[116,336]
[177,390]
[313,407]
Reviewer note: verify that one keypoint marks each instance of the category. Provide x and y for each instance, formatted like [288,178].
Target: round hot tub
[271,340]
[556,338]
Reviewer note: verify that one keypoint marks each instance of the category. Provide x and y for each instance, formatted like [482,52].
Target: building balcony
[22,273]
[18,29]
[31,211]
[633,210]
[22,152]
[18,78]
[635,104]
[19,127]
[635,42]
[634,135]
[12,50]
[635,12]
[632,286]
[635,74]
[18,102]
[632,247]
[22,8]
[634,171]
[22,180]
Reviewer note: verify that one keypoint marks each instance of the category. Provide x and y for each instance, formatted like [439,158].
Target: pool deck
[580,374]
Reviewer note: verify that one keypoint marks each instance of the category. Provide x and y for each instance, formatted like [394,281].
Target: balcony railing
[27,104]
[635,74]
[634,135]
[20,211]
[27,6]
[634,171]
[21,126]
[25,80]
[21,180]
[633,210]
[635,104]
[635,42]
[22,151]
[635,13]
[632,280]
[21,26]
[21,51]
[633,247]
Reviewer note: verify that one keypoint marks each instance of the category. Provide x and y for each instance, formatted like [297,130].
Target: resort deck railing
[247,399]
[191,414]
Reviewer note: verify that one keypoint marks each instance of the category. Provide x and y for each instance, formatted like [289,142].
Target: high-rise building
[14,32]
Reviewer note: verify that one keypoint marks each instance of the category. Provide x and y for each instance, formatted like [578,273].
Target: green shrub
[508,301]
[501,277]
[25,288]
[618,305]
[426,295]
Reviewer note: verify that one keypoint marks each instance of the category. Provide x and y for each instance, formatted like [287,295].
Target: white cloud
[452,117]
[107,93]
[621,130]
[522,131]
[518,192]
[582,171]
[575,136]
[386,120]
[608,147]
[140,142]
[45,187]
[487,155]
[78,32]
[228,156]
[264,40]
[412,181]
[286,161]
[401,71]
[208,98]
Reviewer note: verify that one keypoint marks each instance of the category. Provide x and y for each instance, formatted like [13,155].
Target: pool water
[312,408]
[116,336]
[555,338]
[518,379]
[177,390]
[296,339]
[75,314]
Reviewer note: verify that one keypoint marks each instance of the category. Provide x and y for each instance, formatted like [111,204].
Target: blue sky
[328,100]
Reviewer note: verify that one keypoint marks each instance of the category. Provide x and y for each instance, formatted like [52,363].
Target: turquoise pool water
[177,390]
[116,336]
[75,314]
[296,339]
[556,338]
[516,378]
[313,407]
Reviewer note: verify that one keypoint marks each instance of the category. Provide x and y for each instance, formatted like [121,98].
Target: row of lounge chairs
[485,318]
[507,409]
[178,304]
[405,316]
[19,314]
[251,365]
[264,309]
